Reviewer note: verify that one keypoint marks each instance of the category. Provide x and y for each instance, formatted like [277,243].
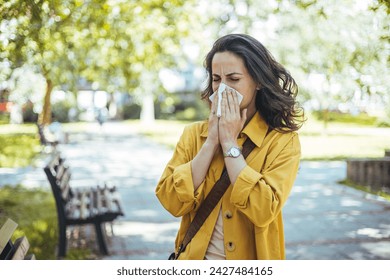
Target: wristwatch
[233,152]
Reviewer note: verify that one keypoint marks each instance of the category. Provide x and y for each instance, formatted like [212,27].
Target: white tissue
[221,89]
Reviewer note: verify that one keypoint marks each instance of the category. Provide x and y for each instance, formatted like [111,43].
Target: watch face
[235,152]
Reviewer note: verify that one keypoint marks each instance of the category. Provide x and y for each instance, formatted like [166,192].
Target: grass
[19,145]
[366,189]
[340,141]
[34,212]
[18,150]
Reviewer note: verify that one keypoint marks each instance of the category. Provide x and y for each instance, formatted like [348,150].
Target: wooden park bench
[80,206]
[13,250]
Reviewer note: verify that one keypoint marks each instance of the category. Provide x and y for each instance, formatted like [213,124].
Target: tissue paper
[221,89]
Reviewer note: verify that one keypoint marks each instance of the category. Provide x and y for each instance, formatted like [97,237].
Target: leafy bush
[131,111]
[192,109]
[18,150]
[4,118]
[362,118]
[60,111]
[383,123]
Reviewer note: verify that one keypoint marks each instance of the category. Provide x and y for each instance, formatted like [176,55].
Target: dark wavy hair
[275,100]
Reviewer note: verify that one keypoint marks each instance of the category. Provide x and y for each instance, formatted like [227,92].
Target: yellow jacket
[251,208]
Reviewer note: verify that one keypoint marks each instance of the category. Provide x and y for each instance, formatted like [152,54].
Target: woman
[247,221]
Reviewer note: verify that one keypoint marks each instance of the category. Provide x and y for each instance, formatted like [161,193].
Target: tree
[340,40]
[107,41]
[39,34]
[337,50]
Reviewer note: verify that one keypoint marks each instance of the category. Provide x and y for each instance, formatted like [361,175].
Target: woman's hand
[232,120]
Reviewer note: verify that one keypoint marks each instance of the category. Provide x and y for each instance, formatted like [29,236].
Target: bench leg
[62,241]
[100,239]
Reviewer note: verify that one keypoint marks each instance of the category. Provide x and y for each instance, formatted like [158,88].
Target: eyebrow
[230,74]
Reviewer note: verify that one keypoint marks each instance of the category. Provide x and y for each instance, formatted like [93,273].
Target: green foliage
[4,118]
[183,107]
[114,43]
[194,111]
[337,51]
[131,111]
[107,42]
[60,111]
[18,150]
[362,118]
[34,212]
[383,123]
[187,114]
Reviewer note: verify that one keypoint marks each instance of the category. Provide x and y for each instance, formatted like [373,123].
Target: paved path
[323,219]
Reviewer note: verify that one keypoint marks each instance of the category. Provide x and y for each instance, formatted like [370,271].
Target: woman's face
[229,68]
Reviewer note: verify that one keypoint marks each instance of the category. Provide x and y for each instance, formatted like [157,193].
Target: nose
[216,85]
[219,83]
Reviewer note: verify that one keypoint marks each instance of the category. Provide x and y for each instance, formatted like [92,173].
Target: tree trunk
[148,88]
[147,110]
[45,115]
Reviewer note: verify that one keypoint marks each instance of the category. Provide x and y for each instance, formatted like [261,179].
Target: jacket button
[230,246]
[228,214]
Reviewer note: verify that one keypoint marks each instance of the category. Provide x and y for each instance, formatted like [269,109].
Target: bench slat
[64,185]
[30,257]
[60,169]
[107,199]
[22,245]
[92,205]
[6,232]
[98,200]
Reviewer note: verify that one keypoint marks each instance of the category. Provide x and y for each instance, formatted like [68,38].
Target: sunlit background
[129,55]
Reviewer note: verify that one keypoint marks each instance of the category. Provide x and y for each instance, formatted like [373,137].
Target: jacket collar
[256,130]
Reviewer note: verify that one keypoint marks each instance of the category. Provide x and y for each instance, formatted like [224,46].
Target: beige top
[216,248]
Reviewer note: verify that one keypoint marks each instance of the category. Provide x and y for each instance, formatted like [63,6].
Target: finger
[229,100]
[233,102]
[236,104]
[224,104]
[214,104]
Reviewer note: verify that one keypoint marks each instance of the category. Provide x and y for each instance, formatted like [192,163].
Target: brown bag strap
[211,201]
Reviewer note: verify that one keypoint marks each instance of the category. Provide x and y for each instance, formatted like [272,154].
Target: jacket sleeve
[175,190]
[261,195]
